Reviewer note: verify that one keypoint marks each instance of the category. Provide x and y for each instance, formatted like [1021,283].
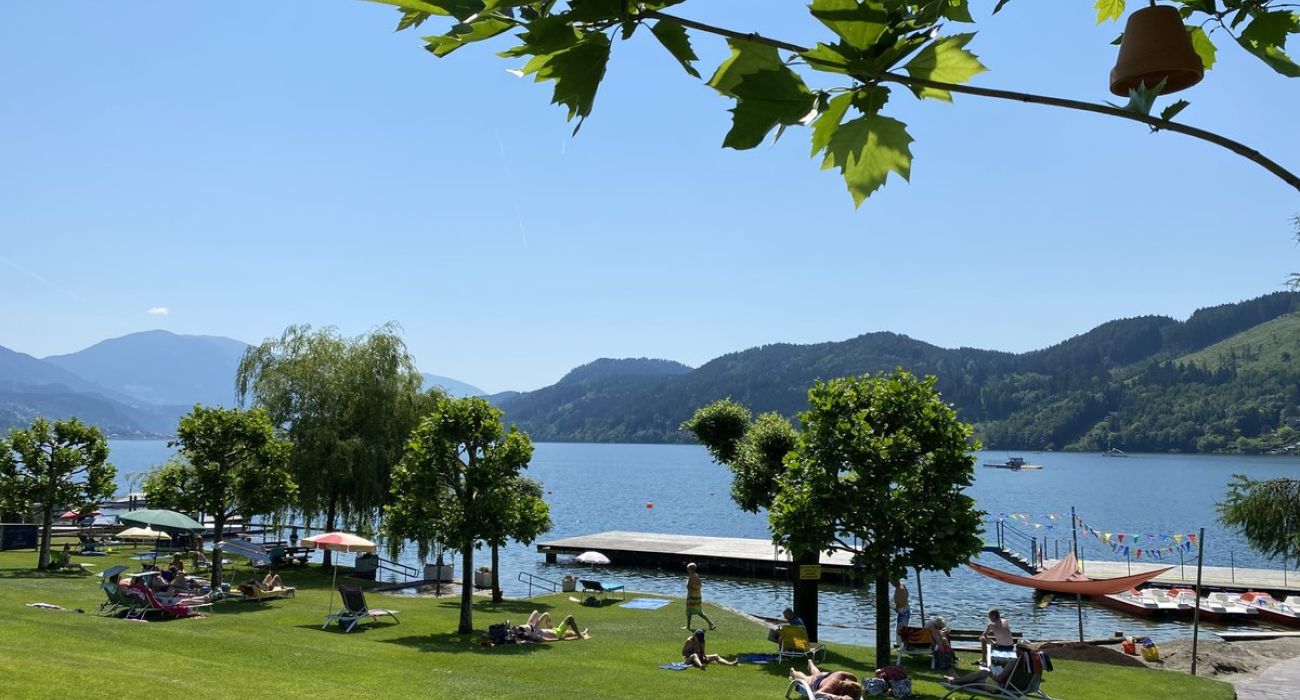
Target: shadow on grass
[832,661]
[459,643]
[47,573]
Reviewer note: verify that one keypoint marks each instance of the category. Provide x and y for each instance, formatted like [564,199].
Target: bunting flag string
[1153,545]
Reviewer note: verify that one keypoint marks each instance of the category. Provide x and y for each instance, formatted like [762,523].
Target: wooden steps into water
[736,555]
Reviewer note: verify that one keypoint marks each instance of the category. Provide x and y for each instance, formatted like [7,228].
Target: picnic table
[297,554]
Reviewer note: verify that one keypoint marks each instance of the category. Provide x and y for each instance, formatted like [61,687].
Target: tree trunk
[496,576]
[47,523]
[805,596]
[327,559]
[218,534]
[884,621]
[466,590]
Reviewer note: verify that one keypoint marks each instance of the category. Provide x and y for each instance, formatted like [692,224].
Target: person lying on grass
[829,685]
[538,629]
[693,652]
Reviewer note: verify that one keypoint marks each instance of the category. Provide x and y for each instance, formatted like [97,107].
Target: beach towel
[675,666]
[645,603]
[757,658]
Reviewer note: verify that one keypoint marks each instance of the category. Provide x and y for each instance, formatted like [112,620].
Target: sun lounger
[261,594]
[256,553]
[1025,680]
[801,690]
[355,609]
[602,588]
[117,600]
[149,603]
[792,643]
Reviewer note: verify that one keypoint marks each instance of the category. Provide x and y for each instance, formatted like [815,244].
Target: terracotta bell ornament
[1155,47]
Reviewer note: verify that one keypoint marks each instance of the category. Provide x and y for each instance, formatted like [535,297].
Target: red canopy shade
[1064,577]
[73,515]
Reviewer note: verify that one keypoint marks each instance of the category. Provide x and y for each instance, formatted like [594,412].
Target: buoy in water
[649,505]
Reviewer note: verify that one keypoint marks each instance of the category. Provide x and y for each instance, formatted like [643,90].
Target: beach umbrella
[143,533]
[592,558]
[338,542]
[166,519]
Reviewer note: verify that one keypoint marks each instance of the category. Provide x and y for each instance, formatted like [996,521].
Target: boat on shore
[1014,464]
[1218,606]
[1149,603]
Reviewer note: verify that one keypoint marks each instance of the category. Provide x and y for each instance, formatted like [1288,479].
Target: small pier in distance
[734,555]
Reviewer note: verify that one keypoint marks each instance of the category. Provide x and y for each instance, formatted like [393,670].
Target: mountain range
[1225,379]
[137,385]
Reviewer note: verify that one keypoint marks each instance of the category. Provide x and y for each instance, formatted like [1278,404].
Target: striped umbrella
[338,542]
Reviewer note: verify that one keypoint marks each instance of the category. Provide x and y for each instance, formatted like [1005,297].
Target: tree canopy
[347,405]
[1267,514]
[56,465]
[230,463]
[878,469]
[458,470]
[870,45]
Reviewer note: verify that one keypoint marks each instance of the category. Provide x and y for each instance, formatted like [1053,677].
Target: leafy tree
[448,485]
[877,470]
[347,405]
[515,511]
[1266,513]
[55,465]
[871,45]
[231,463]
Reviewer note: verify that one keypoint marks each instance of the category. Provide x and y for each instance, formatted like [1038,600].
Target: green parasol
[162,519]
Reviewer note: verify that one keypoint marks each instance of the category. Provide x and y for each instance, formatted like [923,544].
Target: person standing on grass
[695,598]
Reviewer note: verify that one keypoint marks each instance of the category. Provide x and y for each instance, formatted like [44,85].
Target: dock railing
[539,581]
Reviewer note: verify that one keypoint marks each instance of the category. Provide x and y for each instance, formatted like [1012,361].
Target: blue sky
[251,165]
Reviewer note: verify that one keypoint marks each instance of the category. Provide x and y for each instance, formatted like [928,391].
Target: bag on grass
[875,686]
[1150,653]
[901,689]
[943,659]
[1129,646]
[500,633]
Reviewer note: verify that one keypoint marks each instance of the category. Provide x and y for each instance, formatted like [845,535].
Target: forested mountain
[1217,381]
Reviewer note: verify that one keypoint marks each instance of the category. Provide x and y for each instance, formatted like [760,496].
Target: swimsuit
[694,603]
[562,629]
[816,683]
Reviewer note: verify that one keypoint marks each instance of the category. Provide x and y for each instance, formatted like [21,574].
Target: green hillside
[1223,380]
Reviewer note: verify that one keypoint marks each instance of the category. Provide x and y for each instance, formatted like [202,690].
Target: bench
[603,588]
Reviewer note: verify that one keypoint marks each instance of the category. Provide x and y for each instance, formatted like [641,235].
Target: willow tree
[52,466]
[347,405]
[1267,513]
[869,49]
[448,487]
[877,470]
[230,463]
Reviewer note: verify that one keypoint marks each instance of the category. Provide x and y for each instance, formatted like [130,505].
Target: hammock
[1064,577]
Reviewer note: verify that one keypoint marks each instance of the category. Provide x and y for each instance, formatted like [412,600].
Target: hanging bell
[1155,47]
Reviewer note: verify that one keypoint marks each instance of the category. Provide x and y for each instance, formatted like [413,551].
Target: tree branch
[1154,122]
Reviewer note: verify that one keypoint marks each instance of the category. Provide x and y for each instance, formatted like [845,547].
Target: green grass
[1270,346]
[277,649]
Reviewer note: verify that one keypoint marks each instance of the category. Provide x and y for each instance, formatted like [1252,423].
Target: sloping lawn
[277,649]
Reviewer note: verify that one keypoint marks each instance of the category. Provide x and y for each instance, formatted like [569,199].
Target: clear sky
[249,165]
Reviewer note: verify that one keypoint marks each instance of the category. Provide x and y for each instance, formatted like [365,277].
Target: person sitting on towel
[694,654]
[538,629]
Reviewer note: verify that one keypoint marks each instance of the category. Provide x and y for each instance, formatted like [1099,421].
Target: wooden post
[1196,611]
[1074,536]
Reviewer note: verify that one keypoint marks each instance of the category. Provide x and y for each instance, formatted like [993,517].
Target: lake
[596,487]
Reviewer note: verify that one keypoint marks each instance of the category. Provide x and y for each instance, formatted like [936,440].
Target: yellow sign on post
[810,572]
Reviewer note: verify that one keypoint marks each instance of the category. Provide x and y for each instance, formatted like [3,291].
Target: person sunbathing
[829,685]
[538,629]
[271,582]
[695,655]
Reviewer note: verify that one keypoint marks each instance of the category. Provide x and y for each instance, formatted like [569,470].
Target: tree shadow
[461,643]
[47,573]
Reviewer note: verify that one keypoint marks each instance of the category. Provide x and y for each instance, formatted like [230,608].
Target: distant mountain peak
[607,367]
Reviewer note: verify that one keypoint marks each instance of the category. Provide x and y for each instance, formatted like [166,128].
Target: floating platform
[734,555]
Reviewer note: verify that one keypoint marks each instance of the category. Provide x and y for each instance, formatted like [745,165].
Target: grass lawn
[277,649]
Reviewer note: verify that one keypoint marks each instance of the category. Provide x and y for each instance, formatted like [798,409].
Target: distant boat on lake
[1014,464]
[1114,452]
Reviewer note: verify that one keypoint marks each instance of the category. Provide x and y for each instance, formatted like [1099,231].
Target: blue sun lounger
[603,588]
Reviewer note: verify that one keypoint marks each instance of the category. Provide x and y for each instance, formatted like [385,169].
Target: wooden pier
[734,555]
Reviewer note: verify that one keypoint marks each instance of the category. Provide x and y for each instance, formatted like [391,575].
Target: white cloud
[158,311]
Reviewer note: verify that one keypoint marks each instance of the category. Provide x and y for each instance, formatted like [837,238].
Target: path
[1280,681]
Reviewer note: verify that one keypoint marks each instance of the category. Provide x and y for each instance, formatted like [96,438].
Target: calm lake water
[594,487]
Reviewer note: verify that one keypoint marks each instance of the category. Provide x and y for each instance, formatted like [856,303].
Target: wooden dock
[735,555]
[1219,578]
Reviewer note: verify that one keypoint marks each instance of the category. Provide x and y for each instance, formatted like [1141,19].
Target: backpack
[501,633]
[874,686]
[901,688]
[943,660]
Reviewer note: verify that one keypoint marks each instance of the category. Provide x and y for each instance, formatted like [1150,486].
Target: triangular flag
[1178,538]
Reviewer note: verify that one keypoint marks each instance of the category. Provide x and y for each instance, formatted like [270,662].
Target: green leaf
[1273,56]
[411,18]
[1271,28]
[414,6]
[765,99]
[1202,45]
[944,60]
[1173,109]
[831,59]
[829,121]
[544,35]
[577,72]
[1109,9]
[1000,5]
[957,10]
[460,9]
[858,22]
[594,10]
[866,150]
[442,44]
[746,57]
[870,99]
[674,38]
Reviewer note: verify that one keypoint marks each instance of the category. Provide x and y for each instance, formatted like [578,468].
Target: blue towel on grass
[756,658]
[645,603]
[675,666]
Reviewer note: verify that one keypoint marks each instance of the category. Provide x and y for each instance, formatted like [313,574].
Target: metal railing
[539,581]
[399,569]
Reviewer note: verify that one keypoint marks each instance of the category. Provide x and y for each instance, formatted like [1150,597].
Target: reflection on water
[678,489]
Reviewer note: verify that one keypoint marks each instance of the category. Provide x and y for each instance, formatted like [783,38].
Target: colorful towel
[675,666]
[645,603]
